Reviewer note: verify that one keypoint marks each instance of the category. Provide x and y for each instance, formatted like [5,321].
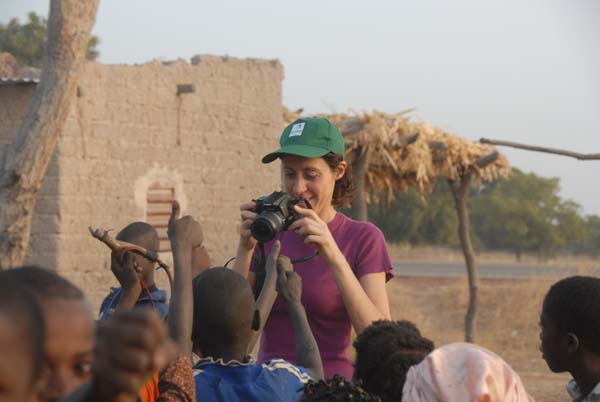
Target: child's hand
[315,231]
[130,348]
[184,231]
[128,272]
[289,283]
[272,259]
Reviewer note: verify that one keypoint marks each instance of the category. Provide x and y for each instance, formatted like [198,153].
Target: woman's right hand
[247,241]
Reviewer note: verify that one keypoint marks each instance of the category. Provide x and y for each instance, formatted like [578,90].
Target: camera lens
[266,226]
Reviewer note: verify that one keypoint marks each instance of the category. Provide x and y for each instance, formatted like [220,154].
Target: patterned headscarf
[463,372]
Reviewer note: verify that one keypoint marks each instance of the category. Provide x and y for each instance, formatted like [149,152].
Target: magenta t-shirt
[364,247]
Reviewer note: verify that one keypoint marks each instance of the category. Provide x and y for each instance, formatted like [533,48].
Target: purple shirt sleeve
[371,253]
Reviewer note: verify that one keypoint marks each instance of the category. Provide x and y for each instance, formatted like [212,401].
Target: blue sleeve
[108,304]
[290,377]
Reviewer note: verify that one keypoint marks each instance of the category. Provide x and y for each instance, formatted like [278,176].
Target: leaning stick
[536,148]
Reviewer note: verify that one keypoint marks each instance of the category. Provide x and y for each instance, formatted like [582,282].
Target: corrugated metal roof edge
[19,81]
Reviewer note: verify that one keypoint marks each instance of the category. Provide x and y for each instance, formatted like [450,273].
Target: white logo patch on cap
[297,129]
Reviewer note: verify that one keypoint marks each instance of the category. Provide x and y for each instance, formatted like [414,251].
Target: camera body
[275,214]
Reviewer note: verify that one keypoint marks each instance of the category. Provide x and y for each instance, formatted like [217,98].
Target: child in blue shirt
[225,317]
[134,271]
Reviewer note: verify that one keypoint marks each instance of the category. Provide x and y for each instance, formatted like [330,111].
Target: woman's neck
[328,214]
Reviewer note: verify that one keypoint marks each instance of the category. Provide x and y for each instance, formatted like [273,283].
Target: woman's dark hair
[342,192]
[385,351]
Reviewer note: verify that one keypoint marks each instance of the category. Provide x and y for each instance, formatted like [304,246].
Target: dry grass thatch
[404,154]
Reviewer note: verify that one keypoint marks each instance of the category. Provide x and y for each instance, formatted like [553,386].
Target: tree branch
[438,149]
[350,127]
[486,160]
[409,139]
[535,148]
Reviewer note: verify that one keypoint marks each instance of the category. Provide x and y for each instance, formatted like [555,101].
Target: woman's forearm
[360,307]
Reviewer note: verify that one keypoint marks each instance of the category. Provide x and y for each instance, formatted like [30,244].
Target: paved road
[486,270]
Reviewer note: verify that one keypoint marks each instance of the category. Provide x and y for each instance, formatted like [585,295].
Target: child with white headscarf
[463,372]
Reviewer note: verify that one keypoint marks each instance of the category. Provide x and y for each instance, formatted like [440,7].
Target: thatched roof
[404,153]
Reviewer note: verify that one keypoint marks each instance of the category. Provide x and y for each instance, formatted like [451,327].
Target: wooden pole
[460,192]
[359,171]
[535,148]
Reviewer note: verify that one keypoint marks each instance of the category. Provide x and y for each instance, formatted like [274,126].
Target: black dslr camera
[275,214]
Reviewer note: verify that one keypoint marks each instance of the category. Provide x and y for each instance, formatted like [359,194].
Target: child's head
[21,341]
[461,372]
[144,235]
[385,351]
[224,314]
[69,328]
[336,389]
[570,322]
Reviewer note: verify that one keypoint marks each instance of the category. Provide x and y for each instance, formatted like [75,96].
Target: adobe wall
[43,244]
[128,128]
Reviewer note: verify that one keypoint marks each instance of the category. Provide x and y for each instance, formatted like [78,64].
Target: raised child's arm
[289,286]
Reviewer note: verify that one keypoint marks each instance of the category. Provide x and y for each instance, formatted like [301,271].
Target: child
[463,372]
[385,351]
[570,334]
[69,330]
[133,271]
[336,389]
[224,319]
[21,341]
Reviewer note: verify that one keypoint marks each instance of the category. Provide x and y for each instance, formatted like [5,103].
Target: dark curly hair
[337,389]
[573,304]
[342,192]
[385,351]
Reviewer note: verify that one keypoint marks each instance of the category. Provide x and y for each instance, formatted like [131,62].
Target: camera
[275,214]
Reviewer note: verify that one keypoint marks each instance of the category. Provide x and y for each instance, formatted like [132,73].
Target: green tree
[522,214]
[418,219]
[525,214]
[26,41]
[590,244]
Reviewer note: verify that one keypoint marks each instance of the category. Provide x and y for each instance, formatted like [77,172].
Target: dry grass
[508,321]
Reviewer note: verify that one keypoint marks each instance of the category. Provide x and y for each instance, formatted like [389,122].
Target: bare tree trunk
[460,192]
[359,171]
[26,159]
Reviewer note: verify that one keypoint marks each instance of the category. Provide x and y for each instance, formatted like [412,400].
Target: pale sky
[526,71]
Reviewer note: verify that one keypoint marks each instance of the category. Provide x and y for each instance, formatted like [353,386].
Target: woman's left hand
[315,231]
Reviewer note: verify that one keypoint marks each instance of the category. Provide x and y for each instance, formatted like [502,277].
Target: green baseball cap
[311,137]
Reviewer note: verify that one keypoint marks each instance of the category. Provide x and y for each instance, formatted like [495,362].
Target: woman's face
[311,179]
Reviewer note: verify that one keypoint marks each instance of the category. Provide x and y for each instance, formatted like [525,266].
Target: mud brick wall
[128,130]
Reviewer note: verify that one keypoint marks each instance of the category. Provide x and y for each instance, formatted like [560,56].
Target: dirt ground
[508,322]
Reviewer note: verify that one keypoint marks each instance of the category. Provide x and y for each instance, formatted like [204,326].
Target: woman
[344,285]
